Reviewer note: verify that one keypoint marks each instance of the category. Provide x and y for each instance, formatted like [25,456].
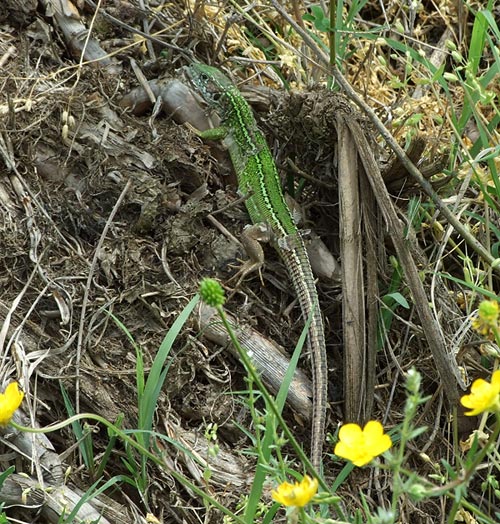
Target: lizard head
[210,83]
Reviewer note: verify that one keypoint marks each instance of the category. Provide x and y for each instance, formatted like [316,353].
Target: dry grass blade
[353,296]
[447,368]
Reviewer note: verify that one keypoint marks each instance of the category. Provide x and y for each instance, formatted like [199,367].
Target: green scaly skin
[258,180]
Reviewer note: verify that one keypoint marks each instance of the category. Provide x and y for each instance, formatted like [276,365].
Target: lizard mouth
[188,78]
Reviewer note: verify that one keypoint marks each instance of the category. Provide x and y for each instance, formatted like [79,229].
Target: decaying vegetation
[113,210]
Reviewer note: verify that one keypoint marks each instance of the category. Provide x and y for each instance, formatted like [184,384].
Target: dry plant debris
[104,210]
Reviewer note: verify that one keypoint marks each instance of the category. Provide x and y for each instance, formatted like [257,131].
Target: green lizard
[259,183]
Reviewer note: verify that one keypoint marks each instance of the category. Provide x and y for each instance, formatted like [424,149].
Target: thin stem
[469,472]
[268,398]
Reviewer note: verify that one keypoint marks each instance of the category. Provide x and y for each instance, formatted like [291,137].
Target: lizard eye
[203,77]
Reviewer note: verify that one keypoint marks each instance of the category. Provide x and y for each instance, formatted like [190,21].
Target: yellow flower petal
[356,454]
[495,379]
[484,396]
[10,400]
[376,439]
[350,434]
[361,446]
[298,494]
[486,321]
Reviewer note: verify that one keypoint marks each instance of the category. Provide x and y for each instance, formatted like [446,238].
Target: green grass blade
[109,448]
[91,493]
[477,41]
[156,377]
[84,438]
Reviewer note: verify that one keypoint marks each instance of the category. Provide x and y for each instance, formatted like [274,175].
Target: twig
[87,288]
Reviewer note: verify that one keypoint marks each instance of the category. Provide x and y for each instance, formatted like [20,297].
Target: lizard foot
[247,267]
[251,239]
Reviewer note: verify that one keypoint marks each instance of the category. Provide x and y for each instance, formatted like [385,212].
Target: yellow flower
[487,317]
[9,402]
[361,446]
[298,494]
[484,396]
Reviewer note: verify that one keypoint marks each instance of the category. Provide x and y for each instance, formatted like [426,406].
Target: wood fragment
[269,360]
[81,44]
[353,304]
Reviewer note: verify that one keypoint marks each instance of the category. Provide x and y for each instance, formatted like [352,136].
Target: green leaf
[416,432]
[477,41]
[318,18]
[5,474]
[399,298]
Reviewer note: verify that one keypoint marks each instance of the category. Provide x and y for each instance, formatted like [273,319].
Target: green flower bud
[211,292]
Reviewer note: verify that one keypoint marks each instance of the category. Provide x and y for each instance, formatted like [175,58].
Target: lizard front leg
[213,133]
[252,237]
